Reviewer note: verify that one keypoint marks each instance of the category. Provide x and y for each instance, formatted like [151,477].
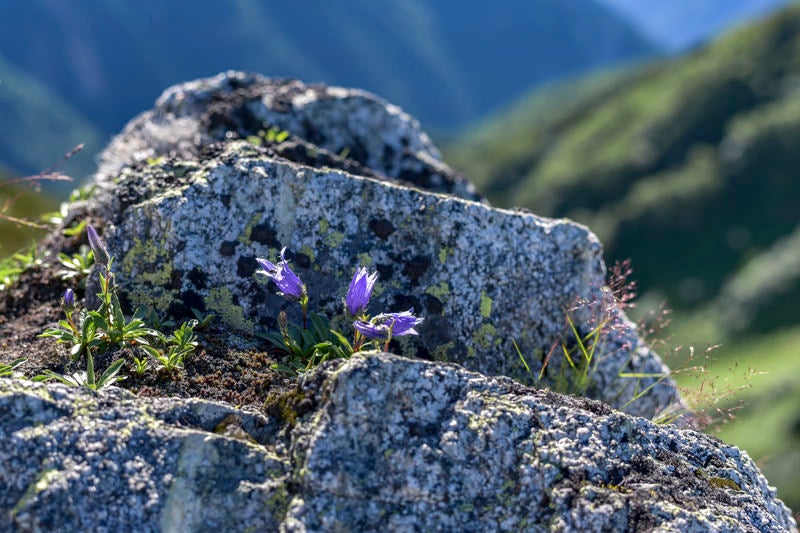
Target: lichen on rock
[375,443]
[483,278]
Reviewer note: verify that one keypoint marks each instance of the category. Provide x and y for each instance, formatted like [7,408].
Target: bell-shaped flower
[388,325]
[69,298]
[287,281]
[359,292]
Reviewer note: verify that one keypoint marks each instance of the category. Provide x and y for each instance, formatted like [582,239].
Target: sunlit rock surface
[376,443]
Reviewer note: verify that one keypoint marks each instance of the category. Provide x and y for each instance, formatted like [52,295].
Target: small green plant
[315,343]
[579,353]
[97,330]
[7,370]
[11,267]
[76,266]
[272,135]
[140,365]
[179,346]
[88,378]
[75,229]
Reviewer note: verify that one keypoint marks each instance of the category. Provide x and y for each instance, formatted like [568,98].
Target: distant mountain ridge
[447,62]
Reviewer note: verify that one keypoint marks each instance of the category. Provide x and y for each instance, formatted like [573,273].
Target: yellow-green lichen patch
[440,352]
[231,427]
[43,480]
[364,259]
[220,301]
[308,252]
[334,238]
[244,238]
[444,253]
[486,305]
[150,262]
[485,336]
[331,238]
[440,291]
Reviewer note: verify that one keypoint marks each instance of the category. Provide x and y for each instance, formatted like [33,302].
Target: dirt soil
[217,371]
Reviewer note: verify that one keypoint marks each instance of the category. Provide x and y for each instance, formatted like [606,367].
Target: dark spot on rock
[228,248]
[385,271]
[178,310]
[264,234]
[193,300]
[302,261]
[424,353]
[246,266]
[124,299]
[403,302]
[180,246]
[381,227]
[225,199]
[358,152]
[175,280]
[198,277]
[422,430]
[416,267]
[388,154]
[405,141]
[432,304]
[312,134]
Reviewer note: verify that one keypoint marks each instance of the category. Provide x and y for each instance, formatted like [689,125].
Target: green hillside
[688,166]
[691,168]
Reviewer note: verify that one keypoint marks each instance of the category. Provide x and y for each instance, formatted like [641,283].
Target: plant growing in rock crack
[314,342]
[107,328]
[579,352]
[11,267]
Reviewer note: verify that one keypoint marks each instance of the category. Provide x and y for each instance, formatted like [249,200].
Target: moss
[718,482]
[288,407]
[220,301]
[231,427]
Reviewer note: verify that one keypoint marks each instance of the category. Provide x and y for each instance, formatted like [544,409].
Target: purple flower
[359,292]
[69,298]
[286,280]
[388,325]
[99,249]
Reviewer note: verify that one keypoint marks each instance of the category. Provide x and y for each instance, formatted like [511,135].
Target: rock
[375,443]
[328,126]
[187,229]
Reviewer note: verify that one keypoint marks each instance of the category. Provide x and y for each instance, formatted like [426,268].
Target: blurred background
[672,129]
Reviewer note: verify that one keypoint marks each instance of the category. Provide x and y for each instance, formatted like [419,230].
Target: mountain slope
[689,166]
[446,62]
